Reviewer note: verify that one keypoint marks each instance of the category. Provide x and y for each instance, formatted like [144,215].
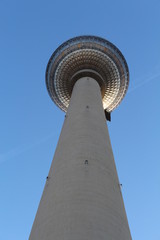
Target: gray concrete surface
[82,199]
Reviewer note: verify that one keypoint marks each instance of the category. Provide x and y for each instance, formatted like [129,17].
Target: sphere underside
[87,56]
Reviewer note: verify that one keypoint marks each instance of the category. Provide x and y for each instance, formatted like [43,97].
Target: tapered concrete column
[82,198]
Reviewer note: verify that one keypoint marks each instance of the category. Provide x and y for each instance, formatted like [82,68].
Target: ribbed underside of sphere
[87,56]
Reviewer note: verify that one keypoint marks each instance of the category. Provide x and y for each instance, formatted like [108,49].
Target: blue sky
[31,123]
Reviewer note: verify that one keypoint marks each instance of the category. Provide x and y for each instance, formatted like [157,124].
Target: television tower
[87,77]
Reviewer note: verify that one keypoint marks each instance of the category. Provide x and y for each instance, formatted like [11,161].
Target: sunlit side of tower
[87,77]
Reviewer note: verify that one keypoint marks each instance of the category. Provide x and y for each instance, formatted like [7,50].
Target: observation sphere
[87,56]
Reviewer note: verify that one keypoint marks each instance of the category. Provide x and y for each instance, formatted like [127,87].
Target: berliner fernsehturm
[87,77]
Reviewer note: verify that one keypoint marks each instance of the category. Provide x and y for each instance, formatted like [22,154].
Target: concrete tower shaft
[82,197]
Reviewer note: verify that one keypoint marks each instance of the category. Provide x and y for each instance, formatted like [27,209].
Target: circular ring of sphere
[87,56]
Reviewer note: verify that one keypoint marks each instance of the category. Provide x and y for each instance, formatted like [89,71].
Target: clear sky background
[30,123]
